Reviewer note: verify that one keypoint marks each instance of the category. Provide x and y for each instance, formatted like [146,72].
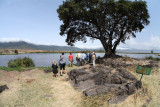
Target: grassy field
[35,88]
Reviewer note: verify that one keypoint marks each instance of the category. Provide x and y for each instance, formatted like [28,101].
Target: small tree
[16,51]
[110,21]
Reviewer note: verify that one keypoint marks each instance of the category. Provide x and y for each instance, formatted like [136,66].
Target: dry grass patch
[34,88]
[25,90]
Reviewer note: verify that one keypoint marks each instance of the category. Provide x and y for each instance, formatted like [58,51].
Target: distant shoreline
[20,51]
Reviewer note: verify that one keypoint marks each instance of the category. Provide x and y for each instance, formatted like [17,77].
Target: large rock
[100,80]
[111,76]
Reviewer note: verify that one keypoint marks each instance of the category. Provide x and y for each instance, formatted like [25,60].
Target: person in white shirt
[78,59]
[94,58]
[83,58]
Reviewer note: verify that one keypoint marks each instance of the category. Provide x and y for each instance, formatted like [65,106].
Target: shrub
[19,61]
[149,57]
[25,62]
[16,51]
[155,59]
[12,64]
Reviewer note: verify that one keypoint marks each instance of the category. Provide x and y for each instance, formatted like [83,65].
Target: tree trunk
[108,49]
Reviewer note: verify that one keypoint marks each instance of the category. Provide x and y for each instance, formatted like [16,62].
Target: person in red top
[71,60]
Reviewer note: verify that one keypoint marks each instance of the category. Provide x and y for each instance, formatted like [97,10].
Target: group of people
[83,58]
[80,58]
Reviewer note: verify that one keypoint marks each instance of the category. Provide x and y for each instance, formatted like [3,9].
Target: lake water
[45,59]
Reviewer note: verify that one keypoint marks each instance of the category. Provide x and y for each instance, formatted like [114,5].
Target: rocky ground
[109,76]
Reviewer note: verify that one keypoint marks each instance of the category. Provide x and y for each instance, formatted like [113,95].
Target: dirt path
[65,95]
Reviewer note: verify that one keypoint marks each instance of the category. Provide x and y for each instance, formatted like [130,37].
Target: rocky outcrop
[92,83]
[111,76]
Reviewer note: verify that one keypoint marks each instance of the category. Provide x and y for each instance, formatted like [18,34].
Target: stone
[90,93]
[47,96]
[3,87]
[99,60]
[138,84]
[109,77]
[84,85]
[131,88]
[117,99]
[127,75]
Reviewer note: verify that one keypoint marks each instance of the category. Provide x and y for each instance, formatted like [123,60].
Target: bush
[149,57]
[12,64]
[16,51]
[19,61]
[157,59]
[25,62]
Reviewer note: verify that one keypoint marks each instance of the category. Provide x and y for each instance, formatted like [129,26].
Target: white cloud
[121,48]
[13,40]
[153,43]
[90,47]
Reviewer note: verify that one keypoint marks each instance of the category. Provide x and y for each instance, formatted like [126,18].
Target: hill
[29,46]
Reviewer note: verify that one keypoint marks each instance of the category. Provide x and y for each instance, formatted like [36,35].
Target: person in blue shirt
[87,56]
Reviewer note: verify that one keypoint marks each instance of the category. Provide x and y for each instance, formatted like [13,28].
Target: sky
[36,21]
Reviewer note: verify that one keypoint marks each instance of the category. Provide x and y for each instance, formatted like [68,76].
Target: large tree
[110,21]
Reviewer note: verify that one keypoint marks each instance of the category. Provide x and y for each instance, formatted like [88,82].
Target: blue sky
[37,21]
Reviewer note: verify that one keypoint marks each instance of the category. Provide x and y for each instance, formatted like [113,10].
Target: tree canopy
[110,21]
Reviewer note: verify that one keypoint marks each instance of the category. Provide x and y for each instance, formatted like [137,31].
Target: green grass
[20,69]
[151,58]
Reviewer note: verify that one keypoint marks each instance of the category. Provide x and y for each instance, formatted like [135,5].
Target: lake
[45,59]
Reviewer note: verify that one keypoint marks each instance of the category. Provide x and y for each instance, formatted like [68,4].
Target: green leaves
[19,62]
[116,20]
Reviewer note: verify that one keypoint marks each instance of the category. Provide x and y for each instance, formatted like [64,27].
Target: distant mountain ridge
[30,46]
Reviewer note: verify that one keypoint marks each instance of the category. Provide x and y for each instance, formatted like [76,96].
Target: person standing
[83,58]
[87,57]
[78,58]
[94,58]
[54,68]
[62,64]
[90,57]
[70,60]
